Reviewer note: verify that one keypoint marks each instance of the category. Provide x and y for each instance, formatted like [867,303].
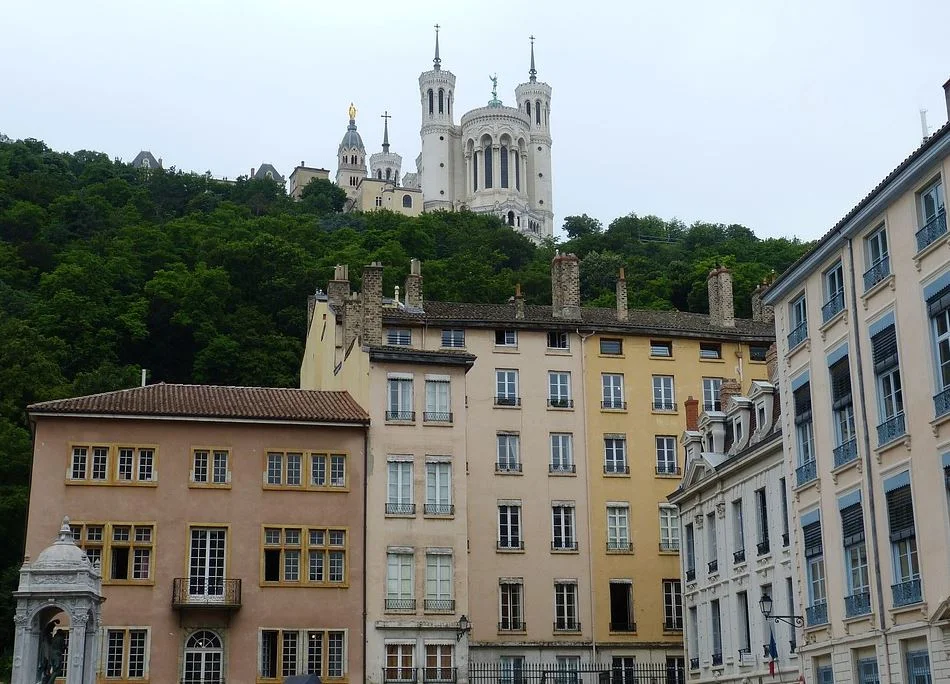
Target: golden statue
[352,112]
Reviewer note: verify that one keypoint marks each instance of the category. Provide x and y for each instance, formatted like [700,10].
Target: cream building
[861,322]
[302,175]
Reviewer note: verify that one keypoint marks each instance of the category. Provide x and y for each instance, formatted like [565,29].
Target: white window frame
[438,487]
[618,527]
[711,388]
[664,393]
[669,528]
[509,527]
[508,452]
[562,452]
[563,528]
[666,462]
[506,385]
[615,455]
[455,338]
[612,390]
[400,575]
[399,337]
[508,337]
[559,388]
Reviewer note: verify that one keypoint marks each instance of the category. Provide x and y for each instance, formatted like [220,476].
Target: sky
[778,115]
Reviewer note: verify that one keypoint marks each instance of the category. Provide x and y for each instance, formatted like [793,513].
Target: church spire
[437,62]
[386,116]
[532,72]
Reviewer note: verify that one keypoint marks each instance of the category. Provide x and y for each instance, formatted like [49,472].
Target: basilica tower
[351,158]
[385,165]
[534,99]
[437,95]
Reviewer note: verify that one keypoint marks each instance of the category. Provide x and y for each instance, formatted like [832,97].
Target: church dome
[63,552]
[352,140]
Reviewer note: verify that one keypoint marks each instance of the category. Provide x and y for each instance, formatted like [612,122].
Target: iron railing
[668,469]
[512,625]
[746,657]
[564,545]
[817,614]
[619,546]
[560,402]
[784,540]
[716,659]
[613,404]
[206,593]
[891,429]
[507,467]
[670,545]
[400,604]
[411,675]
[857,604]
[879,271]
[568,625]
[198,679]
[932,230]
[439,509]
[833,306]
[806,472]
[436,416]
[845,453]
[520,672]
[510,545]
[691,575]
[798,335]
[672,625]
[616,469]
[439,605]
[942,403]
[738,556]
[664,405]
[906,593]
[694,663]
[395,508]
[562,469]
[763,547]
[713,566]
[401,415]
[712,406]
[507,401]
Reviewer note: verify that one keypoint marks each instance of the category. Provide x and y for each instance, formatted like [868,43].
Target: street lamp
[765,605]
[464,626]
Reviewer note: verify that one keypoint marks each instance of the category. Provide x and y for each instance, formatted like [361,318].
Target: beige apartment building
[862,325]
[227,523]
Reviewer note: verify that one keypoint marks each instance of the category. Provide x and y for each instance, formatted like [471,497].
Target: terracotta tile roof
[642,321]
[214,401]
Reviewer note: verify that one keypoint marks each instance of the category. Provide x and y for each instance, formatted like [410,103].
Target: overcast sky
[776,115]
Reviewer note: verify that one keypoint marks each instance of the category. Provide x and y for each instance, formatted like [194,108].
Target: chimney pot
[519,302]
[372,303]
[413,295]
[339,288]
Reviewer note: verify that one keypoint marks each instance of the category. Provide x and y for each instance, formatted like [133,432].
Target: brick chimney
[621,296]
[692,413]
[761,311]
[565,287]
[771,363]
[519,303]
[721,307]
[372,303]
[352,318]
[729,388]
[339,287]
[414,285]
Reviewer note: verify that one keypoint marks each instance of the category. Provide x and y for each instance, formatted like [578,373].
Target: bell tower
[351,158]
[437,99]
[534,99]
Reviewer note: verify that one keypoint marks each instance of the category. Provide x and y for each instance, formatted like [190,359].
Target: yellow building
[302,175]
[373,194]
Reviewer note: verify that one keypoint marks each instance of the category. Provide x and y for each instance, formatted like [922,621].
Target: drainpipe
[875,550]
[590,533]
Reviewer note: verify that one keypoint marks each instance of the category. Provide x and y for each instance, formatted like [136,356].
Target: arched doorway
[204,658]
[511,218]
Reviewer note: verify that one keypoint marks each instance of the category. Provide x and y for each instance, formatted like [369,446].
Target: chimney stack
[771,363]
[729,388]
[372,303]
[692,413]
[339,288]
[621,296]
[414,285]
[721,307]
[761,311]
[565,287]
[946,94]
[519,303]
[252,172]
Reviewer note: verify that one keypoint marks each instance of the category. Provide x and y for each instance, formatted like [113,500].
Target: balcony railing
[613,404]
[878,272]
[201,592]
[942,403]
[400,508]
[619,546]
[400,675]
[906,593]
[437,417]
[845,453]
[932,230]
[560,402]
[201,679]
[623,626]
[439,605]
[694,663]
[616,469]
[400,604]
[401,415]
[507,400]
[669,545]
[564,545]
[857,604]
[668,469]
[691,575]
[763,547]
[664,405]
[512,625]
[411,675]
[439,509]
[507,467]
[806,472]
[798,335]
[672,626]
[716,659]
[746,657]
[712,406]
[567,626]
[562,468]
[510,545]
[817,614]
[713,566]
[833,306]
[891,429]
[439,675]
[738,556]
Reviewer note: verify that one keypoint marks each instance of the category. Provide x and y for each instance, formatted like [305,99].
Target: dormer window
[737,429]
[760,415]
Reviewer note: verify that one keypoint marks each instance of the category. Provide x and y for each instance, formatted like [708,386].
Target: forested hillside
[105,270]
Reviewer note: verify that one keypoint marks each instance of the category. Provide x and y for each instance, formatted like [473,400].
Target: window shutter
[900,513]
[852,524]
[812,534]
[884,350]
[938,302]
[840,384]
[803,404]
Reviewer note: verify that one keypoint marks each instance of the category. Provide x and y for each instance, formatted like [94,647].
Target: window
[716,624]
[918,667]
[568,669]
[562,452]
[878,259]
[509,527]
[903,535]
[511,607]
[562,528]
[379,201]
[210,467]
[124,551]
[559,389]
[400,592]
[618,528]
[798,322]
[890,394]
[399,488]
[318,470]
[669,528]
[407,201]
[621,606]
[558,340]
[509,453]
[439,488]
[663,349]
[126,653]
[938,308]
[506,388]
[287,652]
[666,455]
[623,670]
[400,663]
[867,671]
[401,337]
[711,387]
[805,436]
[842,410]
[761,521]
[784,492]
[817,611]
[663,399]
[758,352]
[324,551]
[858,602]
[712,544]
[286,469]
[742,612]
[399,396]
[672,605]
[453,338]
[612,384]
[506,338]
[834,292]
[504,158]
[488,172]
[611,346]
[615,455]
[738,533]
[438,400]
[710,350]
[439,583]
[690,552]
[760,419]
[110,464]
[440,663]
[565,607]
[932,218]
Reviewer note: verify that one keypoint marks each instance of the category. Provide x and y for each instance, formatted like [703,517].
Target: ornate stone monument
[57,615]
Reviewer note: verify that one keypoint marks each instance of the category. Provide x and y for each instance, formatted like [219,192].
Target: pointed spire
[386,116]
[532,72]
[437,62]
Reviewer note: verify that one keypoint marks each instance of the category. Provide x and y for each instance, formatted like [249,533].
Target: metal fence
[516,672]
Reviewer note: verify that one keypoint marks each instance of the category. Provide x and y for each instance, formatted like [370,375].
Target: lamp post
[464,626]
[765,605]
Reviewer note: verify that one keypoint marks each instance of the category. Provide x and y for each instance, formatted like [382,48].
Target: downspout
[365,529]
[590,533]
[875,550]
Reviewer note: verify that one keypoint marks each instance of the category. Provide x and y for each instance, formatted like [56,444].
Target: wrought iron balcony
[669,545]
[439,675]
[400,604]
[716,659]
[763,547]
[512,625]
[437,417]
[738,556]
[845,453]
[932,230]
[560,402]
[564,545]
[401,415]
[568,625]
[400,508]
[694,663]
[439,509]
[563,468]
[798,335]
[806,473]
[691,575]
[507,467]
[507,400]
[906,593]
[857,604]
[623,626]
[619,546]
[817,614]
[399,675]
[510,545]
[713,566]
[664,405]
[942,403]
[206,593]
[878,272]
[891,429]
[616,469]
[615,404]
[668,469]
[439,605]
[833,306]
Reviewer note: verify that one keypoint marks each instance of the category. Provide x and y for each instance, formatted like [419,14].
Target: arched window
[203,657]
[475,172]
[450,104]
[269,174]
[430,101]
[488,166]
[407,201]
[527,108]
[504,166]
[511,218]
[379,174]
[145,162]
[517,172]
[537,112]
[389,174]
[441,101]
[518,221]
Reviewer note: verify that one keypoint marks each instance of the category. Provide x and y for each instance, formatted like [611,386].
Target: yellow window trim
[304,548]
[189,526]
[209,485]
[106,550]
[112,464]
[306,465]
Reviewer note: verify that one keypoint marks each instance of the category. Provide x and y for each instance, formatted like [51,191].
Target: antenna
[924,128]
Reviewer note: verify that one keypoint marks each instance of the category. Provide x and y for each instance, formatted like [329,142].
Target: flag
[773,652]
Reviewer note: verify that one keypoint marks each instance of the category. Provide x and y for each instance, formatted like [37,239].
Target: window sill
[662,358]
[668,553]
[562,473]
[611,356]
[702,360]
[209,485]
[855,619]
[400,422]
[668,476]
[620,552]
[845,467]
[450,349]
[938,421]
[301,488]
[932,247]
[505,349]
[830,323]
[887,282]
[565,552]
[128,583]
[664,412]
[519,473]
[507,407]
[903,440]
[804,344]
[401,515]
[909,608]
[506,551]
[613,410]
[617,475]
[557,352]
[436,516]
[761,363]
[807,485]
[438,423]
[561,408]
[107,483]
[303,585]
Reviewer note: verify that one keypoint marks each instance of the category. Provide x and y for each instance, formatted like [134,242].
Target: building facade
[219,518]
[302,175]
[861,323]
